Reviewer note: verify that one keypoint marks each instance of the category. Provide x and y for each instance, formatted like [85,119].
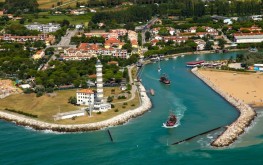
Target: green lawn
[47,106]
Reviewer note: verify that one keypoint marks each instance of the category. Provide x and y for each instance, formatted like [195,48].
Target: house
[200,44]
[252,29]
[257,17]
[228,21]
[176,39]
[171,31]
[113,42]
[154,42]
[248,37]
[203,34]
[9,37]
[155,31]
[225,20]
[159,38]
[113,63]
[120,32]
[192,29]
[77,12]
[87,50]
[85,97]
[134,43]
[97,34]
[38,55]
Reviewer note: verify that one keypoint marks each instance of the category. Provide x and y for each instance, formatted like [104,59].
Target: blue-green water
[143,140]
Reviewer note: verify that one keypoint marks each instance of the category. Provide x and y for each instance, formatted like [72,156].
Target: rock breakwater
[247,114]
[117,120]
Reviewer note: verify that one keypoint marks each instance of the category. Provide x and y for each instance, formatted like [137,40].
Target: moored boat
[165,80]
[171,122]
[152,92]
[193,64]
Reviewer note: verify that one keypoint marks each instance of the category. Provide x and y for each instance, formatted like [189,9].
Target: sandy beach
[247,114]
[244,86]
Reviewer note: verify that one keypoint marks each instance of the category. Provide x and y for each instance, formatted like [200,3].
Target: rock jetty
[117,120]
[247,114]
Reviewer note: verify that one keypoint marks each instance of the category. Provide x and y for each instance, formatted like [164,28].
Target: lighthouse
[99,81]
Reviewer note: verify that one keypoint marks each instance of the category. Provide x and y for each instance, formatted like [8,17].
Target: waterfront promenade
[247,114]
[117,120]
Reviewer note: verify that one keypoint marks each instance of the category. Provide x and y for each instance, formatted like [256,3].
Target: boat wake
[176,125]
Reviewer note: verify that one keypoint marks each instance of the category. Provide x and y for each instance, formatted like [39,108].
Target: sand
[244,86]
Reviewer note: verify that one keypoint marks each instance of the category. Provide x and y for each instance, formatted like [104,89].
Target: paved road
[65,40]
[134,88]
[225,37]
[147,27]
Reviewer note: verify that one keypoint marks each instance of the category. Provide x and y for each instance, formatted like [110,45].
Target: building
[113,42]
[38,55]
[9,37]
[87,50]
[200,44]
[45,28]
[225,20]
[85,97]
[258,67]
[248,37]
[175,39]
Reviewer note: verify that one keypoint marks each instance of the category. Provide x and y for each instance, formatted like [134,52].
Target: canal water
[143,140]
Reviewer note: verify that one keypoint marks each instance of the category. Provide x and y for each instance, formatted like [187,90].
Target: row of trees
[249,59]
[13,6]
[184,8]
[76,72]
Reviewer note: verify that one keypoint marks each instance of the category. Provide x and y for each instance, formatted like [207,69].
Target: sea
[143,140]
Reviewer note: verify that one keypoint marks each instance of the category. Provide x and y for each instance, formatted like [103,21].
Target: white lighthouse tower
[99,81]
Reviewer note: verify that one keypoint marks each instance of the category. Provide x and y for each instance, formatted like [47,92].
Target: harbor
[197,107]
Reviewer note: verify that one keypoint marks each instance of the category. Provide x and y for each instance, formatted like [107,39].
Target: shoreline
[202,52]
[117,120]
[234,130]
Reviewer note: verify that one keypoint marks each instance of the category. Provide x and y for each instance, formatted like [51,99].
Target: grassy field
[45,17]
[46,106]
[47,4]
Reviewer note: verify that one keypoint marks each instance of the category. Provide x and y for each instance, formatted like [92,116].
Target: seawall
[247,114]
[117,120]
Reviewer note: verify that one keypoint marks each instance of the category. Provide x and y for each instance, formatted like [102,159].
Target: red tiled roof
[87,91]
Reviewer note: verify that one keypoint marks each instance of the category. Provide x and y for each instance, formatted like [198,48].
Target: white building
[200,44]
[248,37]
[45,28]
[85,97]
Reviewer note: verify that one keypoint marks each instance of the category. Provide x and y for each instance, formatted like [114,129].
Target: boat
[171,121]
[253,50]
[165,80]
[152,92]
[193,64]
[159,67]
